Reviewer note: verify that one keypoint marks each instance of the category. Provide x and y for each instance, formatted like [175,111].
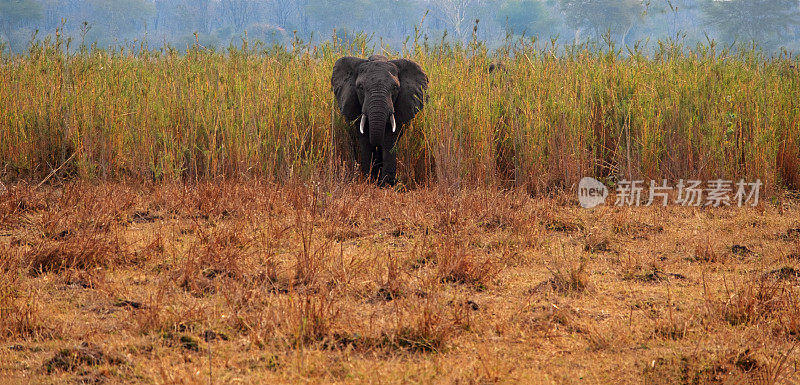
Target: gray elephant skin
[378,97]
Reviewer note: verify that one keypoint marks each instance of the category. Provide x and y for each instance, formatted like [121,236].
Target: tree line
[772,24]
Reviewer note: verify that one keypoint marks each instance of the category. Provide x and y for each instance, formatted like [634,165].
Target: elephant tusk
[363,121]
[394,124]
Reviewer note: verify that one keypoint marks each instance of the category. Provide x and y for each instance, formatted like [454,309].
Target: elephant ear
[413,84]
[343,82]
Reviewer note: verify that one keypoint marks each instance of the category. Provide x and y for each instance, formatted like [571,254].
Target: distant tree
[52,13]
[530,17]
[184,16]
[600,16]
[121,18]
[327,15]
[303,20]
[674,16]
[239,13]
[393,17]
[767,22]
[455,14]
[282,11]
[14,13]
[266,33]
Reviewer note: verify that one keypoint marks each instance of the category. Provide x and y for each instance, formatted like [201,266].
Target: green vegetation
[545,121]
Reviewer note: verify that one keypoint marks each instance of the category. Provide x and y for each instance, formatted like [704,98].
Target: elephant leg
[377,163]
[389,169]
[366,153]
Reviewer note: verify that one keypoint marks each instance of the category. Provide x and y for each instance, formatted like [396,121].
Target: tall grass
[542,122]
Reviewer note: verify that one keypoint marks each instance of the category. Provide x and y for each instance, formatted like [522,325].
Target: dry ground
[246,282]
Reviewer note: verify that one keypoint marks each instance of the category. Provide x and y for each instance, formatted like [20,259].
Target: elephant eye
[360,87]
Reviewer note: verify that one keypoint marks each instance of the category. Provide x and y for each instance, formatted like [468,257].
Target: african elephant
[383,95]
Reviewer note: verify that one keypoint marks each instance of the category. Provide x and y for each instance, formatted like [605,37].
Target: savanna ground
[247,282]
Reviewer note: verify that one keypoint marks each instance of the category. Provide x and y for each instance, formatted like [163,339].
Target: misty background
[773,24]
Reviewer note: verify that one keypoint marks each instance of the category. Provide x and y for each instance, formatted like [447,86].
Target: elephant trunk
[377,127]
[379,113]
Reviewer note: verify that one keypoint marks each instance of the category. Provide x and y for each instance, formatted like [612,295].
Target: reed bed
[548,118]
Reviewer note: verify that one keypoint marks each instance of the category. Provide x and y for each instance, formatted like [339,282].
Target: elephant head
[382,95]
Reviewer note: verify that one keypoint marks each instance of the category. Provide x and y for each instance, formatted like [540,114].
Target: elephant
[382,95]
[497,67]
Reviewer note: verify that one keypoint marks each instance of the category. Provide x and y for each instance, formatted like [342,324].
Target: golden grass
[249,282]
[543,122]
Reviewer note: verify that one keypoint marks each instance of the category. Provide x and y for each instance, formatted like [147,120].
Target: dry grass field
[552,116]
[250,282]
[199,218]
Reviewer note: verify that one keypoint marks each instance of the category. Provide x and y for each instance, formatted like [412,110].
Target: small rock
[190,343]
[790,234]
[657,275]
[71,358]
[740,250]
[677,275]
[78,283]
[784,273]
[210,335]
[387,294]
[563,227]
[144,217]
[127,303]
[62,235]
[595,245]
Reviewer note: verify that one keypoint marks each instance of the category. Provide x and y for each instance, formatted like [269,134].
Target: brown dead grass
[249,282]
